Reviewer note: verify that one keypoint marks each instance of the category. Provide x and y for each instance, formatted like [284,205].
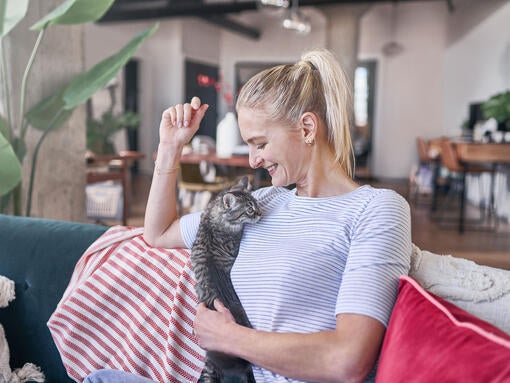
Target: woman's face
[278,149]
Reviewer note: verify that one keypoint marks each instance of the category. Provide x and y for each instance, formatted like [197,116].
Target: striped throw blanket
[130,307]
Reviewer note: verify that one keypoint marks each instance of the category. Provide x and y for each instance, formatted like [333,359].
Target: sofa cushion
[431,340]
[39,256]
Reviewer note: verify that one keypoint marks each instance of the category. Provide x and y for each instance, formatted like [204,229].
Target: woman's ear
[309,125]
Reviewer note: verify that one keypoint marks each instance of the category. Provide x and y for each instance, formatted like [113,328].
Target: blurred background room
[431,119]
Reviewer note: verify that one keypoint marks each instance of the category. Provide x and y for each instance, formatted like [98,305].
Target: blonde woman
[318,274]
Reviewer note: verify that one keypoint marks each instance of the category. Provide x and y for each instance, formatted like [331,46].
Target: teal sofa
[39,255]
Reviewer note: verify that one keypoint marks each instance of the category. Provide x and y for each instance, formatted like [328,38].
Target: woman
[318,274]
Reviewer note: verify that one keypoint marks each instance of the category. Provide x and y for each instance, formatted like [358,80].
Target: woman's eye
[261,146]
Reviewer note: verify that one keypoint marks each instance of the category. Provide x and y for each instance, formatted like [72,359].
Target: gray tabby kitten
[212,256]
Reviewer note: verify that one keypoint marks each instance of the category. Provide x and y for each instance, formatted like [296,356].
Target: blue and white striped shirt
[310,259]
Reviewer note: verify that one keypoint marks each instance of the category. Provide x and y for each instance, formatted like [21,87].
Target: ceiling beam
[142,10]
[233,26]
[214,13]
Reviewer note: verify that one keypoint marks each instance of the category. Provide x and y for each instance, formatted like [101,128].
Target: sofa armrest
[39,255]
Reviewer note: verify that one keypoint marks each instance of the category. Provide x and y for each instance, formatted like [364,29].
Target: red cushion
[431,340]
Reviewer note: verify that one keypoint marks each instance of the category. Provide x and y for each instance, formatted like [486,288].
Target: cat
[212,256]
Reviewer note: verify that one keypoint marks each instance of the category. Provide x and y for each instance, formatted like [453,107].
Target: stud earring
[309,140]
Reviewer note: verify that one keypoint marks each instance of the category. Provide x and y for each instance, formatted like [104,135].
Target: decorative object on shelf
[227,136]
[225,90]
[498,107]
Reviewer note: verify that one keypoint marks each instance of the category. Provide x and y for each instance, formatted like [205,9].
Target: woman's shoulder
[380,200]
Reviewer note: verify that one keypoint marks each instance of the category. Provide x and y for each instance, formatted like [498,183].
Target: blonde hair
[314,84]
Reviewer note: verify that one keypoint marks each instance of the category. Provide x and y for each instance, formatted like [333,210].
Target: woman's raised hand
[180,122]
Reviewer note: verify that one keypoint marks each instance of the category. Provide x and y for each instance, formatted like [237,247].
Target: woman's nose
[255,160]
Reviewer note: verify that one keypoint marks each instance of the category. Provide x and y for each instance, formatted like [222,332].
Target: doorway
[364,101]
[201,81]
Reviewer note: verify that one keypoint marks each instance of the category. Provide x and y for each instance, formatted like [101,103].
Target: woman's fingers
[195,103]
[179,115]
[183,114]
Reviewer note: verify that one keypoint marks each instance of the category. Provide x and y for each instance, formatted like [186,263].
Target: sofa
[39,255]
[429,339]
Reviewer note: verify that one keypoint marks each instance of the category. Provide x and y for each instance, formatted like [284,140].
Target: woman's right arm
[178,125]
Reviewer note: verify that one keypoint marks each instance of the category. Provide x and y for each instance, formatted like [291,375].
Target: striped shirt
[310,259]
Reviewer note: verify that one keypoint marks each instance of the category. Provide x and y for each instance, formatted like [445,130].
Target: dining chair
[457,173]
[194,191]
[422,179]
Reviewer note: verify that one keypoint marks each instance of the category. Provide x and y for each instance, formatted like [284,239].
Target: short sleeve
[189,226]
[379,253]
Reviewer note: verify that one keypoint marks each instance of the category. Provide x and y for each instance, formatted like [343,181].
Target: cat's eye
[250,210]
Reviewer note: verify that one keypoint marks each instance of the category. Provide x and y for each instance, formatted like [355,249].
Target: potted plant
[498,107]
[100,131]
[52,112]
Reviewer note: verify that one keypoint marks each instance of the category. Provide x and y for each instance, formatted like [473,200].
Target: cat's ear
[244,183]
[228,200]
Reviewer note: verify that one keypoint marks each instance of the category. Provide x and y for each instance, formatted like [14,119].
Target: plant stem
[34,164]
[16,199]
[7,103]
[23,127]
[4,202]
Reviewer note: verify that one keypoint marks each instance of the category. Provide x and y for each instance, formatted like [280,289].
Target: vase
[227,136]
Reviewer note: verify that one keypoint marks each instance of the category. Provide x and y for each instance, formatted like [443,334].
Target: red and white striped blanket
[130,307]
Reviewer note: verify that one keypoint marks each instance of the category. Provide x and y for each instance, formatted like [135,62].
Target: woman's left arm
[346,354]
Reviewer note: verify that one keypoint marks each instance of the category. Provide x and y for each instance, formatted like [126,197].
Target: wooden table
[476,153]
[471,153]
[235,161]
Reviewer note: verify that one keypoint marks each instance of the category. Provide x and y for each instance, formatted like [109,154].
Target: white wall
[408,99]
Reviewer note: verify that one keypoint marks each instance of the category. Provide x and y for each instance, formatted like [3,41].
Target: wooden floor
[491,248]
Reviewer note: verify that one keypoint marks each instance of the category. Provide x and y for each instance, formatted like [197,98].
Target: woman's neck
[325,177]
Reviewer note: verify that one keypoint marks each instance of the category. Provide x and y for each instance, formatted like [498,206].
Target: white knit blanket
[481,290]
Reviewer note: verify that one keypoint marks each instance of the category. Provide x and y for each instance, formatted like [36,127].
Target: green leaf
[50,112]
[74,12]
[11,13]
[10,171]
[88,83]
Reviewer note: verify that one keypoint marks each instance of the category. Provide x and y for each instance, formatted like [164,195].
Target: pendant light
[297,21]
[393,47]
[273,3]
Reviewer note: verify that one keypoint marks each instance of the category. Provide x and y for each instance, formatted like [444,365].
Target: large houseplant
[52,112]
